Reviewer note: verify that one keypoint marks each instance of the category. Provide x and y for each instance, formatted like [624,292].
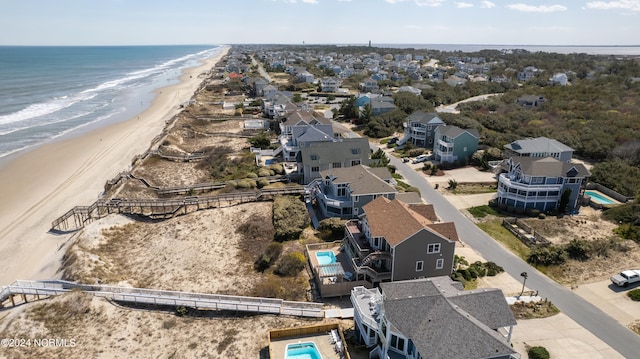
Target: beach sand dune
[44,183]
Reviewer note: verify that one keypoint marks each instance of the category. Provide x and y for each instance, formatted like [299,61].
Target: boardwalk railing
[77,217]
[164,297]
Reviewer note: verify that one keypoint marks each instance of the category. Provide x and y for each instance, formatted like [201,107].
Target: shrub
[283,288]
[262,182]
[331,229]
[578,249]
[415,152]
[538,353]
[634,295]
[277,168]
[251,175]
[290,264]
[542,216]
[182,311]
[245,183]
[268,257]
[547,256]
[264,172]
[427,166]
[290,217]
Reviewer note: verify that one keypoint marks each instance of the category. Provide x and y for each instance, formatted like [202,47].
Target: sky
[485,22]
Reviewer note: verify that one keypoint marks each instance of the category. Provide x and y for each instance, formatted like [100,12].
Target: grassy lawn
[483,211]
[498,232]
[474,188]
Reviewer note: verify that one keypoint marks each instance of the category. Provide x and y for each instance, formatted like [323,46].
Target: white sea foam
[45,108]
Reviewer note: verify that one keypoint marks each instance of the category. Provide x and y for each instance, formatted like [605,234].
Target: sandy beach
[44,183]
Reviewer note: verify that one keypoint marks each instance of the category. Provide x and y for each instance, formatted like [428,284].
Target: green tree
[379,158]
[564,200]
[296,98]
[366,114]
[348,108]
[261,140]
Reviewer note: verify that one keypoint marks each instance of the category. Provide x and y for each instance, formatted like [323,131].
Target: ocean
[49,92]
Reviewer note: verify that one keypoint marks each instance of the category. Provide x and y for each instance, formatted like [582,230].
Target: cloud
[462,5]
[310,1]
[296,1]
[413,27]
[485,4]
[633,5]
[344,0]
[541,8]
[429,3]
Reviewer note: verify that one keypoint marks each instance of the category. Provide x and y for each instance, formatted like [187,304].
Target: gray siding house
[539,183]
[323,153]
[420,129]
[433,318]
[342,192]
[394,241]
[453,143]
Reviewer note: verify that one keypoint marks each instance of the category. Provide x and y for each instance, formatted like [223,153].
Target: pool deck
[321,340]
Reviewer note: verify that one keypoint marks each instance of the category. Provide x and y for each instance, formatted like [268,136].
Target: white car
[420,158]
[625,278]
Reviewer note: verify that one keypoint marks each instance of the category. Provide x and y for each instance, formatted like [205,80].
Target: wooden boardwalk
[79,216]
[46,288]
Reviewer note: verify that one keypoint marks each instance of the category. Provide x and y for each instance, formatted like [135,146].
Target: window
[464,149]
[433,248]
[336,165]
[342,190]
[419,266]
[440,263]
[355,151]
[314,157]
[397,343]
[356,198]
[315,169]
[355,162]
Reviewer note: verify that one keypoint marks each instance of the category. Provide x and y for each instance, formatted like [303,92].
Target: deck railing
[164,297]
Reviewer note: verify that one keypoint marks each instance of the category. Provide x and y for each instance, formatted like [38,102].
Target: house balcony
[519,186]
[444,145]
[357,243]
[365,303]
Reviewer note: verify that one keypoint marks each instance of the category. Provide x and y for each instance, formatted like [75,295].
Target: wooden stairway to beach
[143,296]
[77,217]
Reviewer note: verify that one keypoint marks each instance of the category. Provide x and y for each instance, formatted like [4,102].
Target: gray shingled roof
[314,135]
[360,178]
[455,131]
[538,145]
[549,167]
[425,118]
[447,327]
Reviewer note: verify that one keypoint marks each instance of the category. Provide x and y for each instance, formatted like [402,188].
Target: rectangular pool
[306,350]
[326,257]
[599,198]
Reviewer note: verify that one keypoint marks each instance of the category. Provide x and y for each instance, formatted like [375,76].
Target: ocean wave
[53,136]
[45,108]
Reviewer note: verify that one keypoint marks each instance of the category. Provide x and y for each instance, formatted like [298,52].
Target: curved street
[617,336]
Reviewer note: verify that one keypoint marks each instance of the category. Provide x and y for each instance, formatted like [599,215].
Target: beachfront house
[420,127]
[302,126]
[453,144]
[541,184]
[392,241]
[321,151]
[342,192]
[433,318]
[329,84]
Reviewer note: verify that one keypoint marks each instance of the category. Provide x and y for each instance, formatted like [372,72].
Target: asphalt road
[617,336]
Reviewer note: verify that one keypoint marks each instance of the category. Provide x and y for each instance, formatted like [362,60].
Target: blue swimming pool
[326,257]
[306,350]
[598,198]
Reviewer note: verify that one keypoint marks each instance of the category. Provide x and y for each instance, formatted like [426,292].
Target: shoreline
[45,182]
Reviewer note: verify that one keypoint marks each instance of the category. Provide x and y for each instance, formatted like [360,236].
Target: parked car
[405,159]
[624,278]
[420,158]
[393,141]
